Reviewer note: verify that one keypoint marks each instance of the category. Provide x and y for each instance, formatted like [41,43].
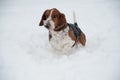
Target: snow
[25,52]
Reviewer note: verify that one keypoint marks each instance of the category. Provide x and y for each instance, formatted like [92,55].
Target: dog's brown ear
[43,18]
[62,19]
[61,23]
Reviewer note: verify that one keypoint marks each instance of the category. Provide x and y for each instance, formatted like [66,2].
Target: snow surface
[25,53]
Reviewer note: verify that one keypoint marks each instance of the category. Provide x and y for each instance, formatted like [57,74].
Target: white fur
[60,39]
[49,20]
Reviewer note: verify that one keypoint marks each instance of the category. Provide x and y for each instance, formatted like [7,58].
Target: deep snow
[25,53]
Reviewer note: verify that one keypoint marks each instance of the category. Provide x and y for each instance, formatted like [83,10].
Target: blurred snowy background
[25,53]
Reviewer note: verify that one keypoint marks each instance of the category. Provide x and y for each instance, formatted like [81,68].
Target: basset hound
[63,36]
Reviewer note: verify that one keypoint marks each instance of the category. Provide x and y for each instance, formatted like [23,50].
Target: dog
[63,36]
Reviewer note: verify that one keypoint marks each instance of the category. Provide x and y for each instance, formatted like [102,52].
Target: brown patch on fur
[82,39]
[71,34]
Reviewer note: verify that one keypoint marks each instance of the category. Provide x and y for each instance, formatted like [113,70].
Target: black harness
[76,30]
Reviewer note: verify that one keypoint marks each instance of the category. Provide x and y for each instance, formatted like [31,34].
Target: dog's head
[53,19]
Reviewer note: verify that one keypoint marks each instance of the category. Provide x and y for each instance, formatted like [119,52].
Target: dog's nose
[47,25]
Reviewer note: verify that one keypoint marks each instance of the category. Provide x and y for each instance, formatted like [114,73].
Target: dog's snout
[47,25]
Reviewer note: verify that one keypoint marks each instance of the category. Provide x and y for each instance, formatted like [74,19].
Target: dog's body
[61,40]
[62,36]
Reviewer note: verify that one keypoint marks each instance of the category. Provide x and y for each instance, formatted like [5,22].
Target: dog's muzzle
[47,25]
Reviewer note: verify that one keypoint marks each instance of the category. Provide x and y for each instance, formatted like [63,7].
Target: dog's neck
[60,33]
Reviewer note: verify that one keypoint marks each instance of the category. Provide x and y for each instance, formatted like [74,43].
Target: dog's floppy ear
[43,18]
[62,19]
[62,22]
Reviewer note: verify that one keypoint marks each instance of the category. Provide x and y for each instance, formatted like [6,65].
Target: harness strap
[76,30]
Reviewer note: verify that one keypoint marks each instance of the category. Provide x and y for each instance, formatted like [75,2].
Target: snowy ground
[25,53]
